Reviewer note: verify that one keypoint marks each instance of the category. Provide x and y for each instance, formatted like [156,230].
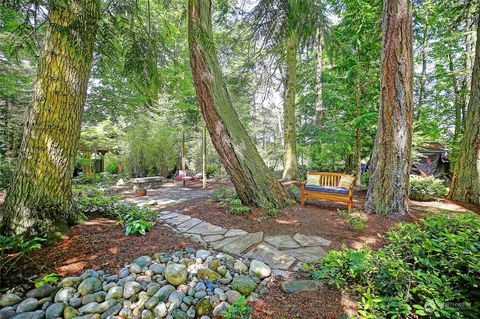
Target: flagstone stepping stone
[212,238]
[167,216]
[241,243]
[271,256]
[307,254]
[282,241]
[221,243]
[235,232]
[306,241]
[178,220]
[207,229]
[292,286]
[188,224]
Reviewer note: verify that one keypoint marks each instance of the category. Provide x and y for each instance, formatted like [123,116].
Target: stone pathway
[283,253]
[169,194]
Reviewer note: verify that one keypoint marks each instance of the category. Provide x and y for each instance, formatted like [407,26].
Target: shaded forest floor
[100,243]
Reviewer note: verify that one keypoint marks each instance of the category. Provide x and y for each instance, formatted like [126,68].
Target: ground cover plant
[429,269]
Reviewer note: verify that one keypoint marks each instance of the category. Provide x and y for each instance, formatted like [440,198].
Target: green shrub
[6,172]
[430,269]
[237,207]
[111,163]
[239,310]
[273,212]
[223,194]
[357,220]
[13,248]
[212,168]
[366,178]
[130,216]
[47,279]
[425,188]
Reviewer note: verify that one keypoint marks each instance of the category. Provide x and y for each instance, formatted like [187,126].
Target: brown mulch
[321,303]
[319,218]
[98,243]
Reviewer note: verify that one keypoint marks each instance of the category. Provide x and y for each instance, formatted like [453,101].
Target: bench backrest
[330,179]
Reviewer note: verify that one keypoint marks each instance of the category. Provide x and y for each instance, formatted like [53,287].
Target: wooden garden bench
[328,188]
[141,184]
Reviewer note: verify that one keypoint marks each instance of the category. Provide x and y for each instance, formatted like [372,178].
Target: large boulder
[259,269]
[244,284]
[89,286]
[176,274]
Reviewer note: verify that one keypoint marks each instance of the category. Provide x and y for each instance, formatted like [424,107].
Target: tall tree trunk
[290,161]
[465,185]
[318,77]
[204,157]
[391,159]
[457,102]
[423,75]
[253,181]
[39,198]
[358,136]
[182,151]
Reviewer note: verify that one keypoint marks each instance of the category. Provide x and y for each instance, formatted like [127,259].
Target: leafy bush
[425,188]
[130,216]
[6,172]
[237,207]
[13,248]
[366,178]
[111,163]
[47,279]
[223,194]
[239,310]
[212,168]
[273,212]
[430,269]
[357,220]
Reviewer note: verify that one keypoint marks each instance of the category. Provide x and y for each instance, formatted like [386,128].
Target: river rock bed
[185,284]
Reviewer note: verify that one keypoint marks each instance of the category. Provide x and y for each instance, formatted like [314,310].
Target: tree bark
[423,75]
[253,181]
[457,100]
[391,159]
[290,161]
[465,185]
[39,199]
[358,137]
[318,76]
[204,157]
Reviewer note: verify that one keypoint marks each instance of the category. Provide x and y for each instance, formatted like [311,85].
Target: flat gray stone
[207,229]
[221,243]
[282,241]
[188,224]
[235,232]
[307,254]
[167,216]
[241,243]
[271,256]
[293,286]
[212,238]
[178,220]
[306,241]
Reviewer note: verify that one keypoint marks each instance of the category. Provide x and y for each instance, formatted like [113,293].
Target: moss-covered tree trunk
[39,198]
[253,181]
[318,77]
[465,185]
[290,136]
[391,159]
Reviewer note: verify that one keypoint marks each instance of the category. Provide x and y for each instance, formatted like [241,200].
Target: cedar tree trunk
[465,185]
[39,198]
[253,181]
[290,161]
[391,159]
[318,77]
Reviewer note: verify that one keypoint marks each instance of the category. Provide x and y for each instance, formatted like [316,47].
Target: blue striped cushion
[327,189]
